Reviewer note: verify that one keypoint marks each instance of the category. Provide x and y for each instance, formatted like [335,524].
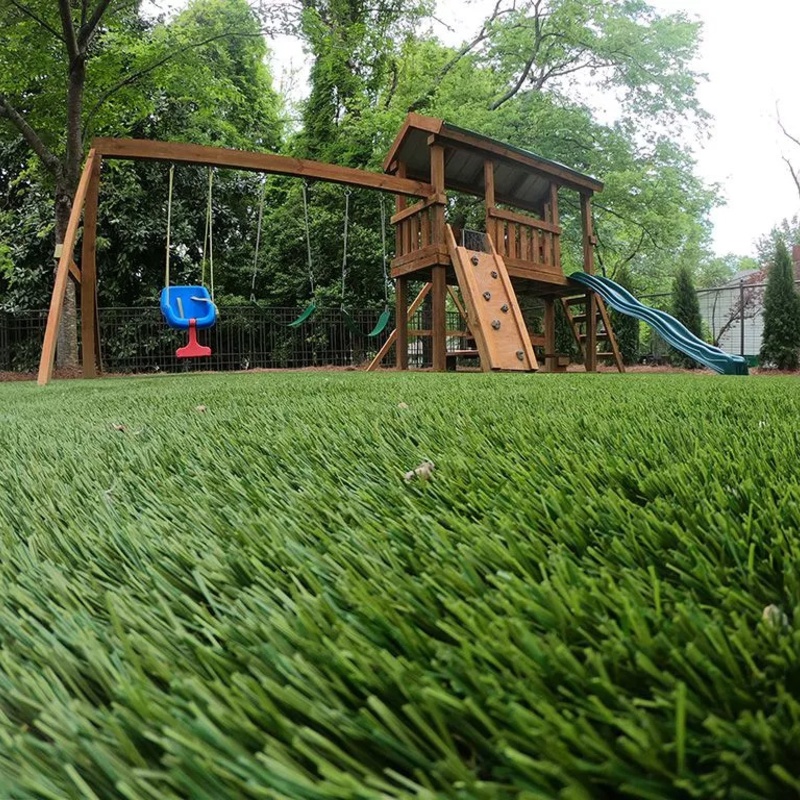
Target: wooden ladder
[577,322]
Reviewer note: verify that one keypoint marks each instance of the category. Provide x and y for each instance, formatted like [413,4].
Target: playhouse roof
[521,178]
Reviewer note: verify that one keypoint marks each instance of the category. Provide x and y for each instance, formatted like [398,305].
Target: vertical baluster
[425,227]
[414,226]
[525,242]
[536,243]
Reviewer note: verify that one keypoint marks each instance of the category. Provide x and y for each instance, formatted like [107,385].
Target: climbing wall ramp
[494,315]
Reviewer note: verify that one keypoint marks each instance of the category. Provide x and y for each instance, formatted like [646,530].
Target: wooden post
[62,274]
[488,201]
[439,324]
[437,181]
[590,345]
[550,356]
[588,234]
[438,272]
[554,218]
[89,274]
[590,348]
[401,322]
[400,203]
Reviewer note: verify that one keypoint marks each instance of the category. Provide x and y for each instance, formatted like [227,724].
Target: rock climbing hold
[520,355]
[494,273]
[496,324]
[474,261]
[504,308]
[487,295]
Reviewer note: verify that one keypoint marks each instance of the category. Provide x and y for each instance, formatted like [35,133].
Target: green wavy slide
[672,331]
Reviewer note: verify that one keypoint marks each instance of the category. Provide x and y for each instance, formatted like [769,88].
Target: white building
[734,312]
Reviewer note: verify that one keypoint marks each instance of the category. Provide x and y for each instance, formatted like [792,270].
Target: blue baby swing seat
[181,304]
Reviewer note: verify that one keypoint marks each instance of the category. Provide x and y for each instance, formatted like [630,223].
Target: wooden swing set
[521,243]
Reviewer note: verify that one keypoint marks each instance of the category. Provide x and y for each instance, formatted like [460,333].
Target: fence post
[5,354]
[741,316]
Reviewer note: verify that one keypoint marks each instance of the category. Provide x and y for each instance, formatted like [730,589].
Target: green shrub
[781,338]
[626,328]
[686,309]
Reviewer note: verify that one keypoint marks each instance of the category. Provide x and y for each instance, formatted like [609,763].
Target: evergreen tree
[626,328]
[686,309]
[779,346]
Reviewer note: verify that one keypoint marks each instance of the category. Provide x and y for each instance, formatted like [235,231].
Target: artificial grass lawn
[251,602]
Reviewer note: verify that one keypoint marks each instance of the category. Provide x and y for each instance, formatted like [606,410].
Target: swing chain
[347,192]
[169,226]
[258,238]
[385,257]
[308,238]
[208,238]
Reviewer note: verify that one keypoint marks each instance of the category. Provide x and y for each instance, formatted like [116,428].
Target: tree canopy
[606,88]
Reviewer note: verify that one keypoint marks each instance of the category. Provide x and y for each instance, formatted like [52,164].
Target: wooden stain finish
[522,246]
[89,273]
[62,273]
[177,152]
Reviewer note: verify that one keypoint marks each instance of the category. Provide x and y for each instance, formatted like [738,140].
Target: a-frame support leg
[62,274]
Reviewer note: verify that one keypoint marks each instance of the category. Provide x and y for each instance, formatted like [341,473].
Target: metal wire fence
[733,319]
[250,337]
[136,340]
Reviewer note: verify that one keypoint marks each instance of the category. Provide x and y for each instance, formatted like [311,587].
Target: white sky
[751,55]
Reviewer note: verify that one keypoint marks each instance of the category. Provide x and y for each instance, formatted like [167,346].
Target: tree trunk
[67,347]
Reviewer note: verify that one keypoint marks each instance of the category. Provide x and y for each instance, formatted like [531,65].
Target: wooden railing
[525,240]
[419,226]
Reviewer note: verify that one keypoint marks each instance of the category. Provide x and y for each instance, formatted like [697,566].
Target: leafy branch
[137,75]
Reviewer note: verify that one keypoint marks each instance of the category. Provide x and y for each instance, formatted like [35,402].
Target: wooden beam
[524,219]
[62,271]
[89,272]
[146,149]
[417,207]
[439,323]
[74,272]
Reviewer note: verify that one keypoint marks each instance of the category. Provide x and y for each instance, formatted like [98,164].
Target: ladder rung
[598,336]
[606,355]
[574,301]
[584,317]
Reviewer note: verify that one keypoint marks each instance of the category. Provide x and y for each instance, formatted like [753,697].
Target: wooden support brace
[393,336]
[62,271]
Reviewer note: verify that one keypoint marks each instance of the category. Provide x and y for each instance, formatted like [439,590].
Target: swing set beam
[149,150]
[85,205]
